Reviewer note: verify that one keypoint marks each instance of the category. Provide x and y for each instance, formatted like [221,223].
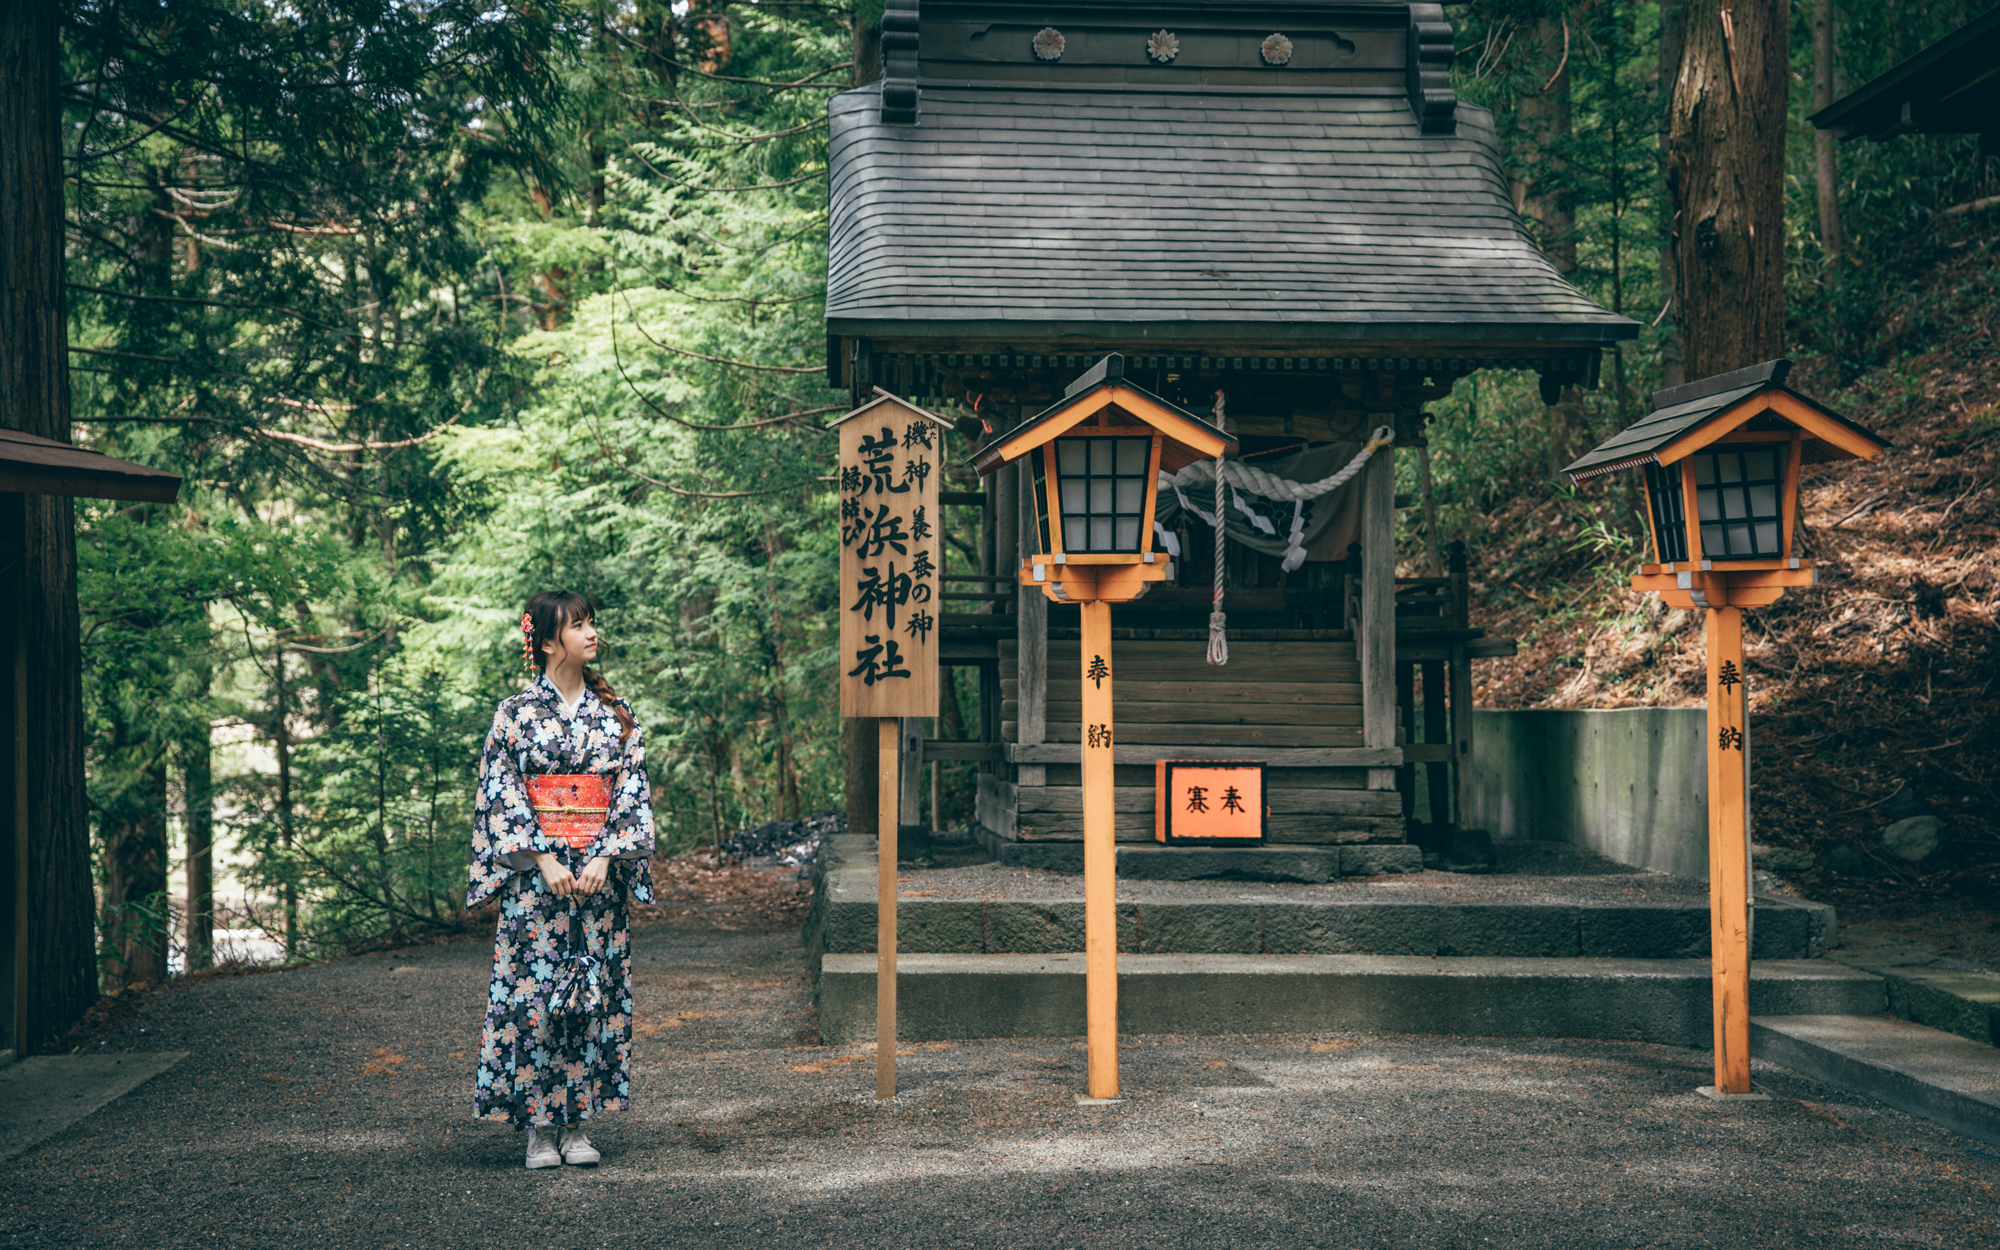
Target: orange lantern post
[1096,460]
[1722,458]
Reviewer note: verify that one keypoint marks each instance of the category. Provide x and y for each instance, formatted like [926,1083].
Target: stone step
[1924,985]
[994,910]
[943,997]
[1924,1071]
[1306,864]
[1559,931]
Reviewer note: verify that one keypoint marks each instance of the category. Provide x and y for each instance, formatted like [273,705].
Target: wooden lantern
[1095,460]
[1722,458]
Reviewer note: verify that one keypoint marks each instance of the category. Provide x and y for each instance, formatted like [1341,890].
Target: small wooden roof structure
[1949,88]
[1096,174]
[884,400]
[1687,418]
[1104,394]
[32,465]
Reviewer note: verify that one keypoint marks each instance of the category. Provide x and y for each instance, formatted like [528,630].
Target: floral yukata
[528,1074]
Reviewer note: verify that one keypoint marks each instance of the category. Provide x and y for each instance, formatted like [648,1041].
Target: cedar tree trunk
[1673,29]
[135,875]
[1725,180]
[60,957]
[1826,177]
[858,742]
[1542,164]
[198,783]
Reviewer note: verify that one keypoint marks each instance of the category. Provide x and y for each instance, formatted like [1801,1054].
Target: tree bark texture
[61,978]
[1826,175]
[135,876]
[1673,30]
[1541,163]
[198,781]
[859,747]
[1725,180]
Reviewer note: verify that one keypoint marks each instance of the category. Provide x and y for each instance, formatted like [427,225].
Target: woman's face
[576,642]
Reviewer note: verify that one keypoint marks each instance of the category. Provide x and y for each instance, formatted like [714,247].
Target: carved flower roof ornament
[1276,49]
[1163,46]
[1049,44]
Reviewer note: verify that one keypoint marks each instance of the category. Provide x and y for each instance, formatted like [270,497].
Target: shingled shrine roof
[1202,208]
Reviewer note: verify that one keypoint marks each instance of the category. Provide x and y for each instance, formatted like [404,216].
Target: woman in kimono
[561,831]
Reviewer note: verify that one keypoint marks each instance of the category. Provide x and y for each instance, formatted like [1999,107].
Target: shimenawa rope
[1270,486]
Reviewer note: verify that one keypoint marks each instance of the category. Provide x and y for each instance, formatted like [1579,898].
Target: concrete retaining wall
[1630,783]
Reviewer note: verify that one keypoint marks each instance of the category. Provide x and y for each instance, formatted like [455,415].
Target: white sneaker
[576,1148]
[542,1149]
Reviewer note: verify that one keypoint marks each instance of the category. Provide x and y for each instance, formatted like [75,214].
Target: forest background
[436,304]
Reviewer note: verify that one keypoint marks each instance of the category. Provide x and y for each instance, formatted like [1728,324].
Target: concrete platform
[992,909]
[42,1095]
[943,997]
[1923,1071]
[1925,986]
[1308,864]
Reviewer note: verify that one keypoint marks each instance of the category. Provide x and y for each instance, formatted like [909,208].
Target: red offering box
[570,807]
[1208,803]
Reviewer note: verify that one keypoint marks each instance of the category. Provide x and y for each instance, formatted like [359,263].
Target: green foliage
[379,854]
[277,290]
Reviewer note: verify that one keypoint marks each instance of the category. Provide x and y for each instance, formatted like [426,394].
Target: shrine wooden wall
[1276,700]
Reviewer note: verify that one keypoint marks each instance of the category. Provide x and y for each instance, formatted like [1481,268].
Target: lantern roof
[1687,418]
[1104,396]
[885,399]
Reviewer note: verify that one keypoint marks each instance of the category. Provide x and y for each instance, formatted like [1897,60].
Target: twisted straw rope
[1270,486]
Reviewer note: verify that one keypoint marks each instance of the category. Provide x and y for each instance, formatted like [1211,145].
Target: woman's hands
[558,878]
[564,884]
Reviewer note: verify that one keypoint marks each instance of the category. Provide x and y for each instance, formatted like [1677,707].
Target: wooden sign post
[891,462]
[1095,460]
[1722,458]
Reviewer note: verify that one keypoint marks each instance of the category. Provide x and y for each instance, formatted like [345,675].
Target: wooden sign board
[891,559]
[1208,803]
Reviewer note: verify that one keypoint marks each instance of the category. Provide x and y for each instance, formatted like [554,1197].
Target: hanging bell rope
[1269,485]
[1218,622]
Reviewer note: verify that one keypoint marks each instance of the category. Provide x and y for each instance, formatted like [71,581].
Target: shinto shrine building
[1283,219]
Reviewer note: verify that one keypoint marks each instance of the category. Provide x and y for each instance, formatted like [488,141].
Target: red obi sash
[570,807]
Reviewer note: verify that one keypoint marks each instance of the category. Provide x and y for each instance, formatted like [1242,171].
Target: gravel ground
[330,1106]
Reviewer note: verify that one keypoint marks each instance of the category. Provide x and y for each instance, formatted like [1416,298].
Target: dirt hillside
[1876,694]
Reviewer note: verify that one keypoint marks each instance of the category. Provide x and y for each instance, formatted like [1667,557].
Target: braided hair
[544,618]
